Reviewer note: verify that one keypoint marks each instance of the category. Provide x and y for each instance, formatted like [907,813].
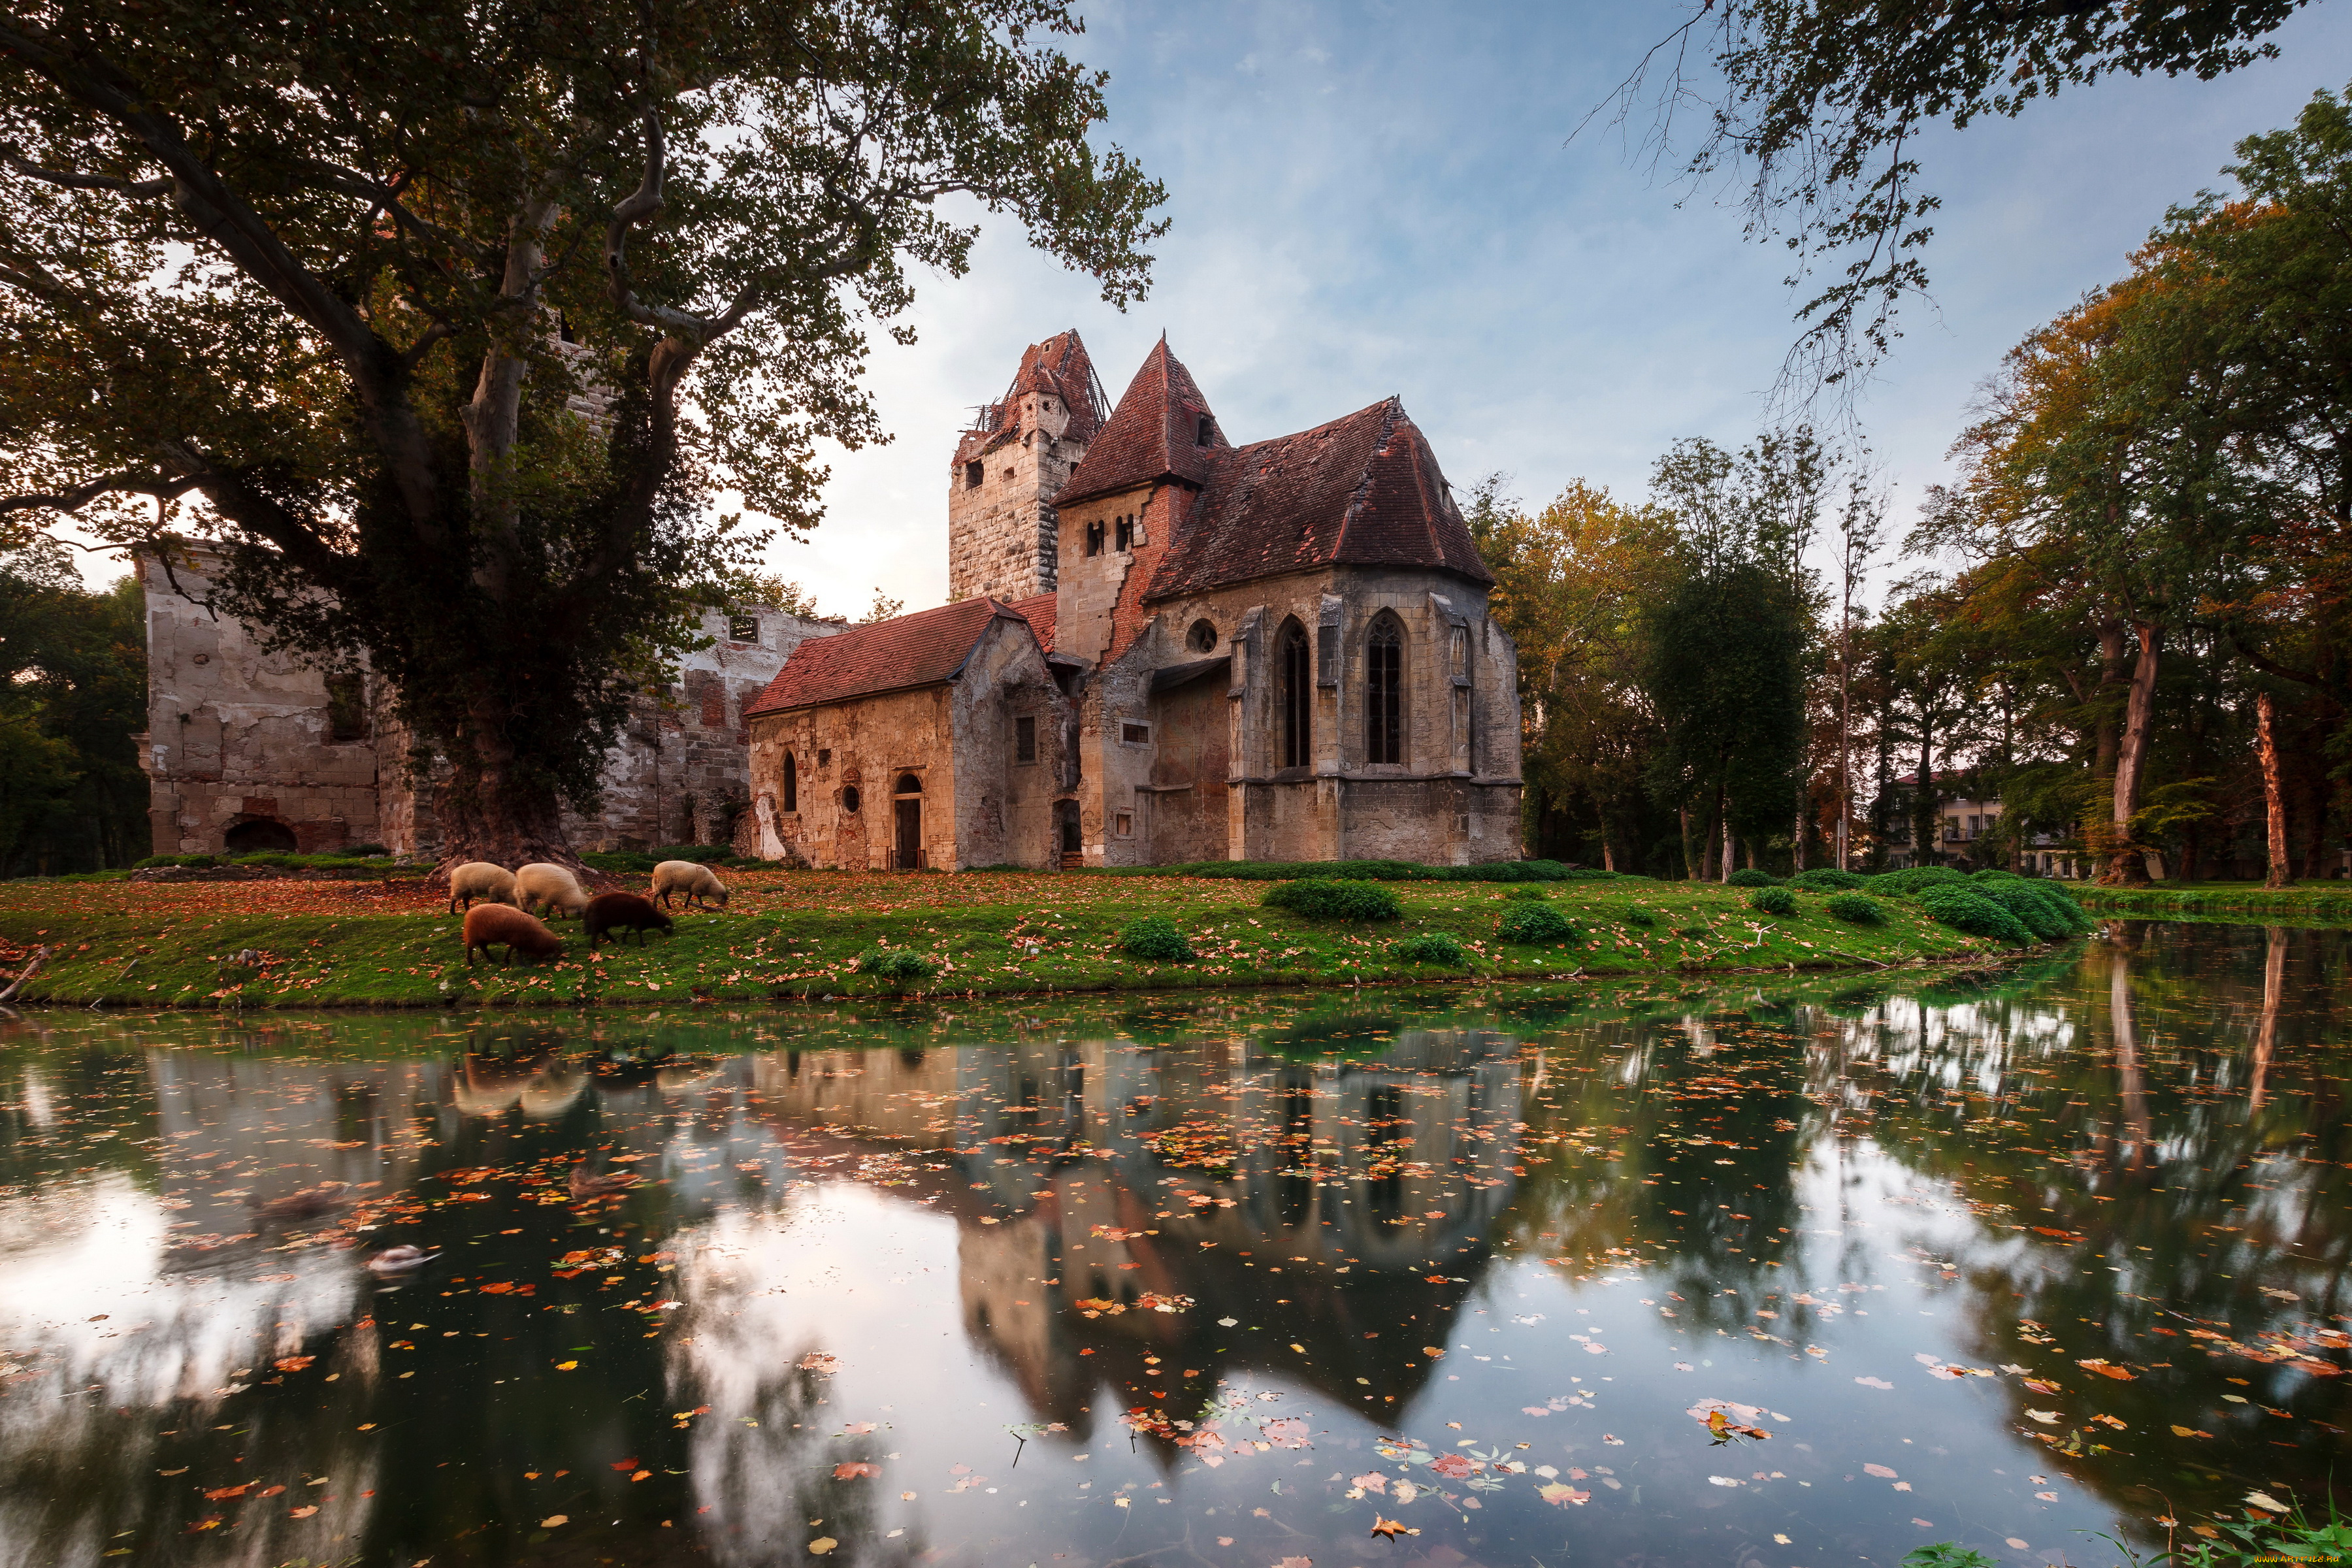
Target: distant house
[1966,818]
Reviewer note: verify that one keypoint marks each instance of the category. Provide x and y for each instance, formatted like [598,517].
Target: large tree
[1822,104]
[444,320]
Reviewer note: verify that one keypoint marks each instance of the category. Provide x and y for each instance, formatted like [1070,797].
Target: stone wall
[1002,538]
[248,749]
[974,803]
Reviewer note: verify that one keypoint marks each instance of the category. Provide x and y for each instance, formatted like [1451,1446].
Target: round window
[849,798]
[1203,638]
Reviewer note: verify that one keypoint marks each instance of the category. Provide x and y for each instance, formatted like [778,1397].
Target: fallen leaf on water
[1879,1470]
[305,1511]
[823,1545]
[1373,1481]
[2039,1386]
[1296,1563]
[2049,1417]
[627,1464]
[2189,1432]
[1390,1528]
[2264,1500]
[555,1520]
[1722,1480]
[1780,1538]
[228,1492]
[2015,1544]
[565,1366]
[851,1469]
[1561,1495]
[1873,1382]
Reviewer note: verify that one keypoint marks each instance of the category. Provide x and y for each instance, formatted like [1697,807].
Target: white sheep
[481,879]
[697,882]
[544,885]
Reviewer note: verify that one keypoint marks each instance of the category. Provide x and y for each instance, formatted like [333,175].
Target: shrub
[1528,891]
[1535,924]
[1994,874]
[1431,947]
[1155,940]
[1638,916]
[1772,900]
[1826,880]
[618,861]
[1749,877]
[897,966]
[1904,883]
[364,851]
[2017,897]
[1324,901]
[1965,909]
[1857,909]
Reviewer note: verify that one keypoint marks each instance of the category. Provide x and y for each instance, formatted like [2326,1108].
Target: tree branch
[73,181]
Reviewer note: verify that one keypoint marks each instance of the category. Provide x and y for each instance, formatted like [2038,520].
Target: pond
[1768,1274]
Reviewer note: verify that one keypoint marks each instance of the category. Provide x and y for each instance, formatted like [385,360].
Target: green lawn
[989,936]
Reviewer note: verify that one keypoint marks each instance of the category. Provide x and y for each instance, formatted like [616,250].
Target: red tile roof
[1039,613]
[1059,366]
[1362,490]
[921,650]
[1150,435]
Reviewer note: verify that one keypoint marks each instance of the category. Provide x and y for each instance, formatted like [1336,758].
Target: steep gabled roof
[921,650]
[1150,434]
[1363,491]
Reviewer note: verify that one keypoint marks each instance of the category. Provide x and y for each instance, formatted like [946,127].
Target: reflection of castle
[1322,1204]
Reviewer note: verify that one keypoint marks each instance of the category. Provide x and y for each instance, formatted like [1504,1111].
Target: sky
[1370,198]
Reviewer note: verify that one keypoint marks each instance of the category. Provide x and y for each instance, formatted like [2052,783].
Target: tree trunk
[1926,804]
[1797,848]
[1725,875]
[1682,812]
[2126,862]
[2280,873]
[488,811]
[2266,1033]
[1845,735]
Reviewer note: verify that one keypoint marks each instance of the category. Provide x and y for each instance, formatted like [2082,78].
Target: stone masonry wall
[1001,531]
[243,745]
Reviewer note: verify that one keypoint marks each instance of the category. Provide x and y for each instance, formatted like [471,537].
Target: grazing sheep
[481,879]
[622,912]
[697,882]
[543,885]
[496,924]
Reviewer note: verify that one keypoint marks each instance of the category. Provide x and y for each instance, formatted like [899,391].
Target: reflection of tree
[2157,1229]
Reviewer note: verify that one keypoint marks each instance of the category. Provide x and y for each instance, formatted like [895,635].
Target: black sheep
[622,912]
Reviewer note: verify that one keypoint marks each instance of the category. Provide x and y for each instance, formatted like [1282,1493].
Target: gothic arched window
[1384,691]
[1293,690]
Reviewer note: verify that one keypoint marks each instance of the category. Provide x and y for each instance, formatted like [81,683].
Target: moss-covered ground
[799,935]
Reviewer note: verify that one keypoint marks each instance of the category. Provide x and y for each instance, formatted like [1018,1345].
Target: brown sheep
[622,912]
[697,882]
[499,924]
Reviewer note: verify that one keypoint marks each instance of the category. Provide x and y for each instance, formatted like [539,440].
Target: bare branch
[73,181]
[76,497]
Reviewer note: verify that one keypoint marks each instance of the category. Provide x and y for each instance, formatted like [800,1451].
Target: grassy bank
[2311,902]
[797,935]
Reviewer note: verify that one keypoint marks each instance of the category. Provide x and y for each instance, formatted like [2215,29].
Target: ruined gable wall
[1003,807]
[237,736]
[863,745]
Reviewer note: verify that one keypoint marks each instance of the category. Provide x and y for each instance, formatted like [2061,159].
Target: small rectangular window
[1025,740]
[743,628]
[973,473]
[346,708]
[1123,823]
[1136,734]
[824,759]
[1127,533]
[1093,539]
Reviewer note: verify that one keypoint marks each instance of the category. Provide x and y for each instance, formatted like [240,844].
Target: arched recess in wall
[792,783]
[259,836]
[1384,689]
[1294,697]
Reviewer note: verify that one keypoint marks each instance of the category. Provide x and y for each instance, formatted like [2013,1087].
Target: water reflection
[2058,1252]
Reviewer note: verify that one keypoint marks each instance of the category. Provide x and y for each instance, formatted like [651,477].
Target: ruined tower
[1009,467]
